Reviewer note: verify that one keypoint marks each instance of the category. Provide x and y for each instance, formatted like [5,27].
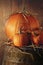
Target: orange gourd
[18,25]
[15,23]
[16,28]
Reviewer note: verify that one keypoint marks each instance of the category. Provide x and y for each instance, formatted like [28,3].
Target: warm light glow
[20,40]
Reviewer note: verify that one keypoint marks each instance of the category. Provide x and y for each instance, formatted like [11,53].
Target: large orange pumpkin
[15,23]
[17,27]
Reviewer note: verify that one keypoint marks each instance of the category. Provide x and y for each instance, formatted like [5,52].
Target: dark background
[8,7]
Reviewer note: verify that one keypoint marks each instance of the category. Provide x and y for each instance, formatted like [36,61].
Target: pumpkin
[35,29]
[18,25]
[16,28]
[15,23]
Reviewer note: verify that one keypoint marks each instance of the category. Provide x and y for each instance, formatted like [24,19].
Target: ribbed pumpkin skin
[34,23]
[13,26]
[22,22]
[14,23]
